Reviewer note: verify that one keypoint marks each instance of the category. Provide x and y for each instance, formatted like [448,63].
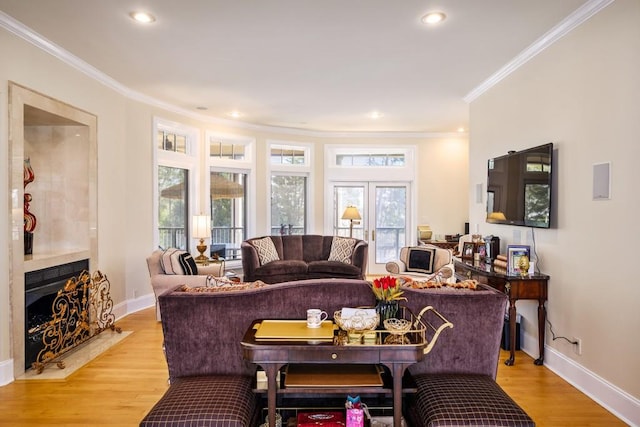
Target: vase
[386,310]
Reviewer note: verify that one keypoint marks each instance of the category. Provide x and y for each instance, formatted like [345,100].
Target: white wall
[581,94]
[125,173]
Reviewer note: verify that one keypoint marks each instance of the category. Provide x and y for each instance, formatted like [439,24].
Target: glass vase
[386,310]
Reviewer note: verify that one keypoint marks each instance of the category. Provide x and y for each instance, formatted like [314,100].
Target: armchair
[162,281]
[424,262]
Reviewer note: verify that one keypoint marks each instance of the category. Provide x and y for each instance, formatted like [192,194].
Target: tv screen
[519,188]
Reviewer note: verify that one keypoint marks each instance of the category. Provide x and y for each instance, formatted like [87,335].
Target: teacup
[315,317]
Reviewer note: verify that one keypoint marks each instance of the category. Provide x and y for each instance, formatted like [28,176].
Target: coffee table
[273,354]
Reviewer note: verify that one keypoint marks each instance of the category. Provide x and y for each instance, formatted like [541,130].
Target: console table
[533,287]
[272,355]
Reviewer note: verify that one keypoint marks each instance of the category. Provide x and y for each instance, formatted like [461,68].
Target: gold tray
[294,330]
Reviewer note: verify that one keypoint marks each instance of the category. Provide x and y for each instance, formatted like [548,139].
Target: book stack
[500,264]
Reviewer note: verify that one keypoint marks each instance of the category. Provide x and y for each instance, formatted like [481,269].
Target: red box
[314,419]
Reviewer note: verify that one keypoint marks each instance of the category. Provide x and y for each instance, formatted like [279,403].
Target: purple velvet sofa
[202,334]
[302,257]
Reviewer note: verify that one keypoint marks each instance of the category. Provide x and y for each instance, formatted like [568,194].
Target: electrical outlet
[577,347]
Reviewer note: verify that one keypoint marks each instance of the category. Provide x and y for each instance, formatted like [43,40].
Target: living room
[579,93]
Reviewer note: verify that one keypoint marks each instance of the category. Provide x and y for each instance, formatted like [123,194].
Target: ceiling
[322,65]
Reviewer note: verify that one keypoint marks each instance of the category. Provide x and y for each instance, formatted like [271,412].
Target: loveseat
[276,259]
[166,272]
[211,381]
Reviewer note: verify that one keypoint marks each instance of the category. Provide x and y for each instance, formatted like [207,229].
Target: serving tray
[294,330]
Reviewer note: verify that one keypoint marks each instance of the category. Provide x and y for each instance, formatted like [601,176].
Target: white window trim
[189,161]
[246,166]
[305,169]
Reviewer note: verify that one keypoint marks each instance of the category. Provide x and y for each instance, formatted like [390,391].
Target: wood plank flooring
[120,386]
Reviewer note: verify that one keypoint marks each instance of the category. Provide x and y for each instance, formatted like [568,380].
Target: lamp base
[201,248]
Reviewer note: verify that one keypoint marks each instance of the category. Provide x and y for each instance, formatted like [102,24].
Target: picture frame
[481,249]
[468,249]
[514,253]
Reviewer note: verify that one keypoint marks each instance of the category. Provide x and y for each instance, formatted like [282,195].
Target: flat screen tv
[519,187]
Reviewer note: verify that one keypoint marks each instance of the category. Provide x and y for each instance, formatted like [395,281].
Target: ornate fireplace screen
[81,310]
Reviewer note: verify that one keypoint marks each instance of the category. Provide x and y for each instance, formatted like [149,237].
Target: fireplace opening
[41,289]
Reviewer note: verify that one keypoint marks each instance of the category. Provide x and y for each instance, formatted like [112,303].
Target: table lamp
[351,213]
[201,226]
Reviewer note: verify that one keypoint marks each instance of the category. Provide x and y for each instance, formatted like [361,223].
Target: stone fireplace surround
[61,142]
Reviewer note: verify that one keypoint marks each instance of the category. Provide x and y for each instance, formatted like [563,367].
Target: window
[172,207]
[228,213]
[370,159]
[230,191]
[289,179]
[288,204]
[175,171]
[171,141]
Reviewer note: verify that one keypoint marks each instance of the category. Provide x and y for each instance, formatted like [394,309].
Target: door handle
[373,235]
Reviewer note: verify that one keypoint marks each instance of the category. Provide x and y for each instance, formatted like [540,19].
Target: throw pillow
[266,250]
[188,264]
[421,260]
[168,266]
[342,249]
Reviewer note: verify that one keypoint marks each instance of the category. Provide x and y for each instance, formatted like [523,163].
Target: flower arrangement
[387,289]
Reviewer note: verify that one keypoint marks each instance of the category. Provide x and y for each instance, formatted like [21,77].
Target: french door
[384,223]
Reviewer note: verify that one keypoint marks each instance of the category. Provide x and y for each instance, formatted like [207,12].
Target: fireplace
[41,289]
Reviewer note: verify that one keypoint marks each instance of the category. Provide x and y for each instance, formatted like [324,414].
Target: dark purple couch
[202,334]
[302,257]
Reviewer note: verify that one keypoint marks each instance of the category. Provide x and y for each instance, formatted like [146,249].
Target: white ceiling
[317,65]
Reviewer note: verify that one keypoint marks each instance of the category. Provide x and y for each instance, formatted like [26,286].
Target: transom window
[226,150]
[171,141]
[370,159]
[287,155]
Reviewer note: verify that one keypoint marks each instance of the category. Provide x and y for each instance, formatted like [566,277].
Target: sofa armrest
[396,267]
[250,261]
[360,255]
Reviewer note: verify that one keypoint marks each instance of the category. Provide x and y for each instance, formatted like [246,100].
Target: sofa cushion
[342,249]
[333,269]
[421,260]
[188,264]
[266,250]
[465,400]
[290,266]
[170,261]
[204,401]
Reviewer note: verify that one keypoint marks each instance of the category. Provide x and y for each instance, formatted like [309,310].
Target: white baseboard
[612,398]
[131,306]
[6,372]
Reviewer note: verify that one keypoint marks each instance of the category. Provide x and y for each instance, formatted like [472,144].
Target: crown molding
[565,26]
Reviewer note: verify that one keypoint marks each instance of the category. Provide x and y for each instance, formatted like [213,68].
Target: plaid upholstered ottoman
[205,401]
[463,400]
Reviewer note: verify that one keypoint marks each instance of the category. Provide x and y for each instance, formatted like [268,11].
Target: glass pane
[390,222]
[228,213]
[288,204]
[348,196]
[172,207]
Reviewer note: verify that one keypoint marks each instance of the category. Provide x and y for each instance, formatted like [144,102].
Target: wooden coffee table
[272,355]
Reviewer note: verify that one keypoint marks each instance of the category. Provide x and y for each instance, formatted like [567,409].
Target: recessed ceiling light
[433,18]
[235,114]
[376,115]
[142,17]
[460,129]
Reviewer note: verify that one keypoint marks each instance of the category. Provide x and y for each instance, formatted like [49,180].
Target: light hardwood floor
[120,386]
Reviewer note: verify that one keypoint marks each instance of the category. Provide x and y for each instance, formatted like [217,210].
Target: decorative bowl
[360,321]
[397,326]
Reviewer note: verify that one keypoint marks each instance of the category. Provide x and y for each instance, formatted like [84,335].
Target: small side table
[206,263]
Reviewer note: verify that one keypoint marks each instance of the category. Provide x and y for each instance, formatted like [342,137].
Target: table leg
[397,371]
[512,333]
[272,370]
[542,318]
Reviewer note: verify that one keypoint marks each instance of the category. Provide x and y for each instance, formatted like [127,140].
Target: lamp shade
[201,226]
[351,213]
